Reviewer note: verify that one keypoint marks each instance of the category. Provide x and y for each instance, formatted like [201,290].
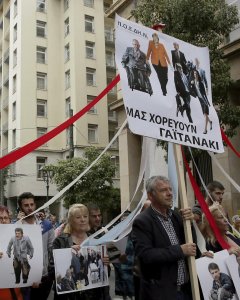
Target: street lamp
[47,176]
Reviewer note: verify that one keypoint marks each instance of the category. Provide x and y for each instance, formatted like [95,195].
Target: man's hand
[234,250]
[20,215]
[187,214]
[35,285]
[76,247]
[106,261]
[208,254]
[189,249]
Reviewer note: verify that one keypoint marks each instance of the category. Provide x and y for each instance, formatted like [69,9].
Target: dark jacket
[157,256]
[226,282]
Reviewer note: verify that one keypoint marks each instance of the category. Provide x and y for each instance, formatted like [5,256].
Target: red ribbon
[204,206]
[17,154]
[227,141]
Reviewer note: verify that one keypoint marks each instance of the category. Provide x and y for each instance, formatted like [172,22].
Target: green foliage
[202,23]
[95,186]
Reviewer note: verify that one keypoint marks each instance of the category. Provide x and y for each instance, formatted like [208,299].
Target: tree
[201,23]
[95,186]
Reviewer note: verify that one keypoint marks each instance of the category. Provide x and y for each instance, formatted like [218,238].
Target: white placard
[160,101]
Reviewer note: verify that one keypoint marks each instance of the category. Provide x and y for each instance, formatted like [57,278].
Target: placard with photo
[214,277]
[80,270]
[20,264]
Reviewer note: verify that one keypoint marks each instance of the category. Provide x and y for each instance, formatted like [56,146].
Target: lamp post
[47,177]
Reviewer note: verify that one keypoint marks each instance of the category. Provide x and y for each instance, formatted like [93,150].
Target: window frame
[42,76]
[38,6]
[39,166]
[88,72]
[89,20]
[43,103]
[93,128]
[41,26]
[92,110]
[90,46]
[41,55]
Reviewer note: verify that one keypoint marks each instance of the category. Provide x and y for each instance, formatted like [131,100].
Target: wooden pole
[186,224]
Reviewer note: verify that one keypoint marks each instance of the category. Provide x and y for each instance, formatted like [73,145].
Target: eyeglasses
[4,219]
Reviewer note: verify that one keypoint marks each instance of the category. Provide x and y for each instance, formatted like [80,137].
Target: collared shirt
[167,224]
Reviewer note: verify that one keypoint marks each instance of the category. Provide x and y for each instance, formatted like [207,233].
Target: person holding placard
[160,246]
[75,232]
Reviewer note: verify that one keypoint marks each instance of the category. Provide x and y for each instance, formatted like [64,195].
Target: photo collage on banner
[21,255]
[219,276]
[80,270]
[166,87]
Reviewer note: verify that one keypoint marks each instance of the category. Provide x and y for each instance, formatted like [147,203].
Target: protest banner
[166,87]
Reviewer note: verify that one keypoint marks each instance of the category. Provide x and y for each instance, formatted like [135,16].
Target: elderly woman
[75,232]
[212,244]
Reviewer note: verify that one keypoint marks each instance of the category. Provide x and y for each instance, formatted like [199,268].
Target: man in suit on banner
[178,57]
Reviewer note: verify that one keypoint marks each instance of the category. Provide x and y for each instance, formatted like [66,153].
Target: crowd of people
[153,266]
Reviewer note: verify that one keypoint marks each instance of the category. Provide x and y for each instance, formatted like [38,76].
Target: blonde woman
[212,244]
[75,232]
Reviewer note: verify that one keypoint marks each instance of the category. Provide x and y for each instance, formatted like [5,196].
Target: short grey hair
[152,181]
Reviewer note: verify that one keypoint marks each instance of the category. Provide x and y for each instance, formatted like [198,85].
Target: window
[41,108]
[108,34]
[68,107]
[92,110]
[41,131]
[89,3]
[67,79]
[115,161]
[114,89]
[15,8]
[66,27]
[14,84]
[41,5]
[68,136]
[90,49]
[41,55]
[41,162]
[41,28]
[110,59]
[14,110]
[67,52]
[111,134]
[66,4]
[89,23]
[14,57]
[41,81]
[92,133]
[91,74]
[15,33]
[14,138]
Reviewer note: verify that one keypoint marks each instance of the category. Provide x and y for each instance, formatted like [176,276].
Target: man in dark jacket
[158,237]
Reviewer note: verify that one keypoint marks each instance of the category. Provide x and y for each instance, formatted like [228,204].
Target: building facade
[56,57]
